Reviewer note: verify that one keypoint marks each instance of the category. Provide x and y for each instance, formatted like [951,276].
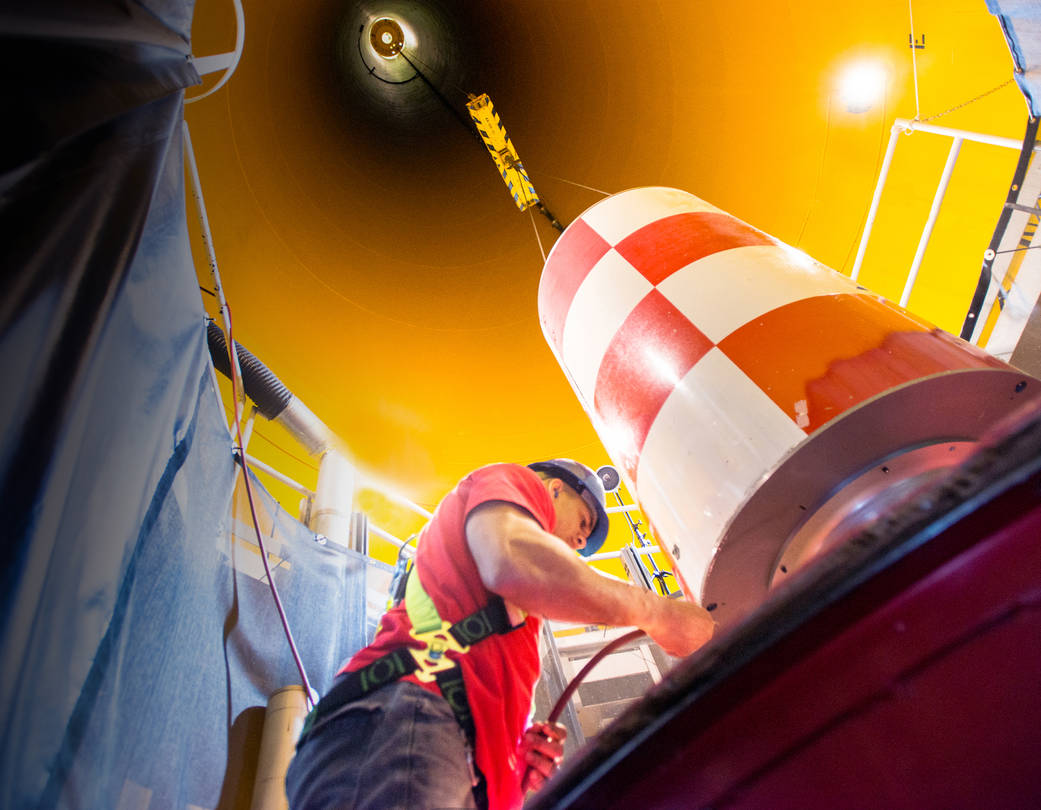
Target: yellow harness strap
[431,629]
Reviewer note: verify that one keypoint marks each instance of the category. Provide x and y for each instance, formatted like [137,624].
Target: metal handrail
[903,126]
[228,62]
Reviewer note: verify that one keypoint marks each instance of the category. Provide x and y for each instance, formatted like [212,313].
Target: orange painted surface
[385,277]
[818,357]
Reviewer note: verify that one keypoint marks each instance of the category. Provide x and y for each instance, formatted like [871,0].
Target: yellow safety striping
[503,153]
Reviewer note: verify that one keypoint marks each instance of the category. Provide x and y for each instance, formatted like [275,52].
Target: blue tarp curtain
[138,643]
[1021,23]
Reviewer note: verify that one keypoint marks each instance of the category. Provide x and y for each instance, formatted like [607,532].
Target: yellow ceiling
[375,262]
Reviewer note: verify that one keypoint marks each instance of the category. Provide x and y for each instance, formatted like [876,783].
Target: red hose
[569,690]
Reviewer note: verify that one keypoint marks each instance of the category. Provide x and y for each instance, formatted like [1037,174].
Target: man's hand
[679,626]
[541,749]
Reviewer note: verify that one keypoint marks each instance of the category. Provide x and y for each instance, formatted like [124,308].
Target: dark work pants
[398,747]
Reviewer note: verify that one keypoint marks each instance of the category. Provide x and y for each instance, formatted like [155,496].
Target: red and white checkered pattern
[703,350]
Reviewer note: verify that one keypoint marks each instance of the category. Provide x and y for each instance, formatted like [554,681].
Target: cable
[537,237]
[966,103]
[660,577]
[281,449]
[820,173]
[659,574]
[235,380]
[572,182]
[441,97]
[569,690]
[424,64]
[1016,250]
[606,650]
[469,126]
[878,161]
[914,68]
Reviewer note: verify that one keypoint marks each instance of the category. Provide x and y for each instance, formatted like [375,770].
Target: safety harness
[431,663]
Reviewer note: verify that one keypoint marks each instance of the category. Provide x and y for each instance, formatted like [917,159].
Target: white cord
[537,237]
[238,400]
[562,180]
[914,61]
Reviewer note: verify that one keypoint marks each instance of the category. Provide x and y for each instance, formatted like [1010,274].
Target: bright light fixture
[862,85]
[386,37]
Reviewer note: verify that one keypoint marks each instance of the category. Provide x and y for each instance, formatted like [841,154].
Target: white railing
[228,62]
[903,126]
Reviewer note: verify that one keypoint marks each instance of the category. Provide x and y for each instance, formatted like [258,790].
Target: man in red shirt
[433,712]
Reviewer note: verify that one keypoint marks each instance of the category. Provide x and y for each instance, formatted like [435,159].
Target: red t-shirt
[500,672]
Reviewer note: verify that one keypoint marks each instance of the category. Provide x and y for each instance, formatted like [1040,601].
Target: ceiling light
[861,86]
[386,37]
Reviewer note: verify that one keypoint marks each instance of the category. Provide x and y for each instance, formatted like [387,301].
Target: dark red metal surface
[901,671]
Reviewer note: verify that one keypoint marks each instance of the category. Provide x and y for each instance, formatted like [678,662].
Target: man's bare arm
[537,572]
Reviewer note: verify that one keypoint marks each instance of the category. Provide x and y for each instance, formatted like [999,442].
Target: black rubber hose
[268,392]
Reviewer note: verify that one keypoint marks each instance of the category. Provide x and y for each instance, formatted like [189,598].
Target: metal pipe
[605,555]
[240,40]
[614,555]
[401,499]
[285,479]
[905,126]
[308,429]
[247,430]
[211,64]
[641,542]
[376,530]
[634,527]
[883,173]
[994,140]
[636,570]
[934,212]
[283,722]
[239,401]
[333,498]
[413,506]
